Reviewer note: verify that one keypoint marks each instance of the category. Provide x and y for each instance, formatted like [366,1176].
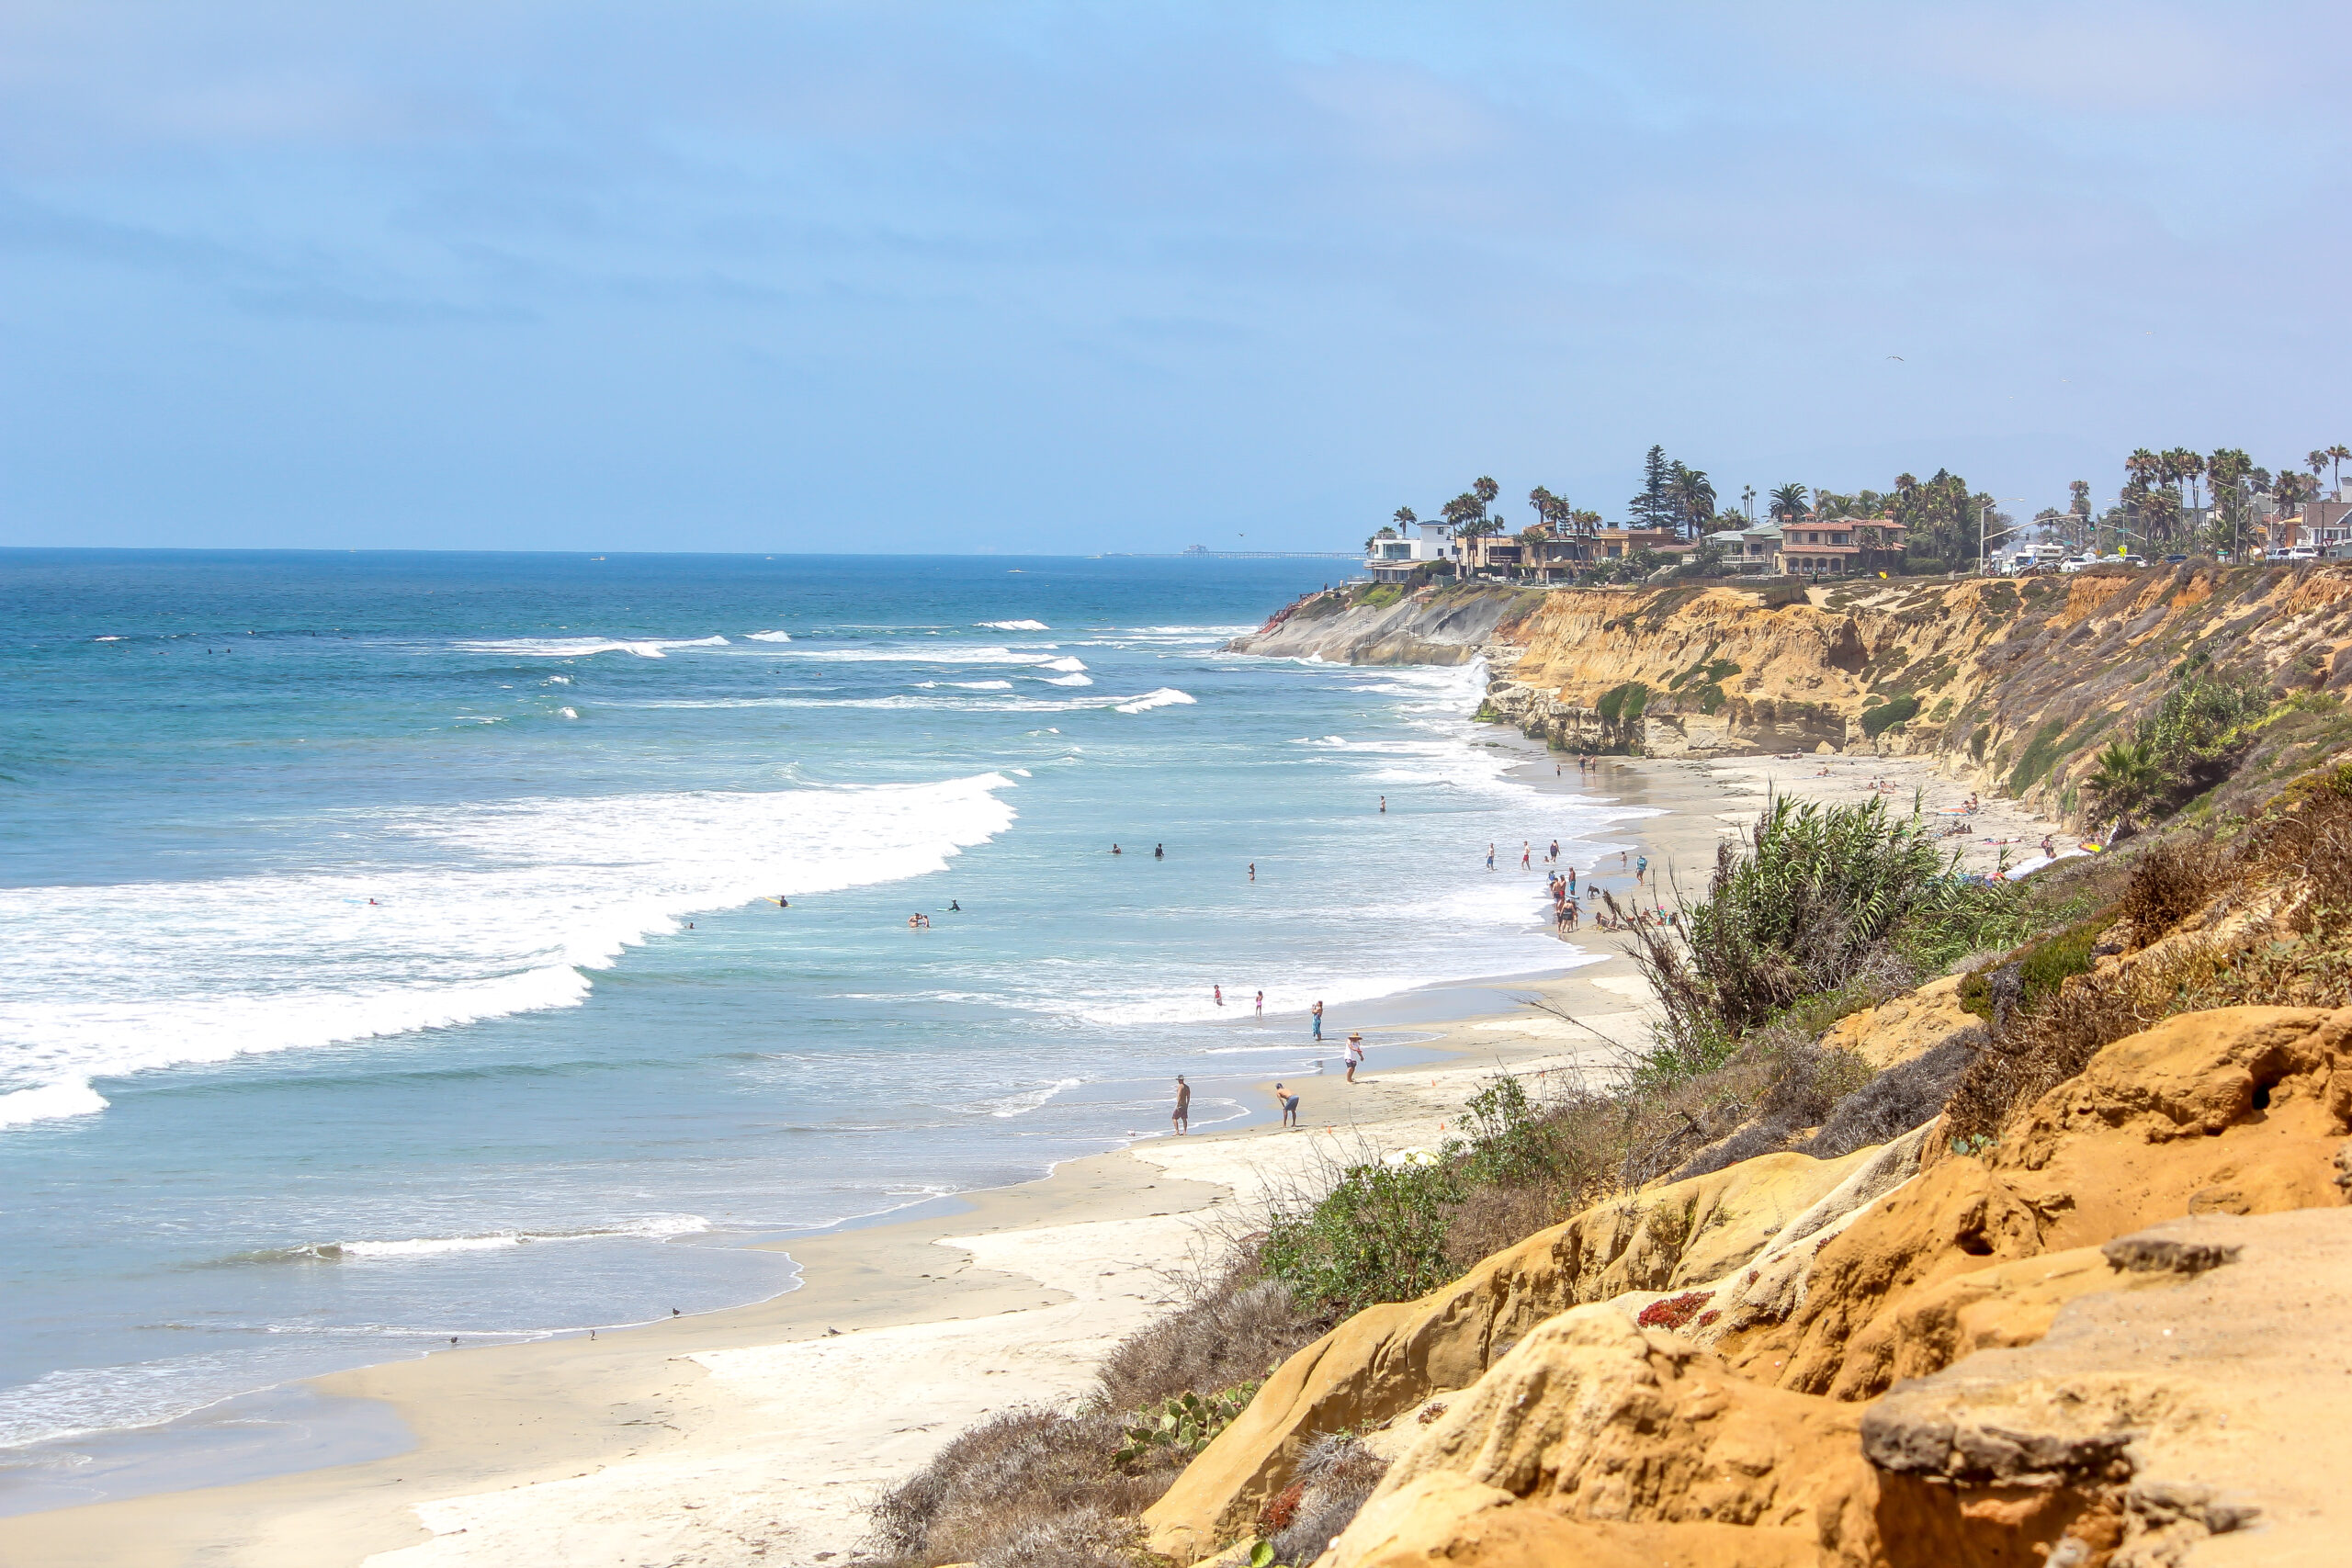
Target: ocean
[405,947]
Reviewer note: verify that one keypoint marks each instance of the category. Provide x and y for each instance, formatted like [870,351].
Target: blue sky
[961,276]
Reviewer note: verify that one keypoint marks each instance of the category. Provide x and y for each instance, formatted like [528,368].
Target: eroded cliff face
[2090,1376]
[2013,685]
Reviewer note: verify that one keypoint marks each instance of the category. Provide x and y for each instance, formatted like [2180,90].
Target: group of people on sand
[1285,1098]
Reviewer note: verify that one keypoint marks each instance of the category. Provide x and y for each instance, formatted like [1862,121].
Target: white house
[1392,560]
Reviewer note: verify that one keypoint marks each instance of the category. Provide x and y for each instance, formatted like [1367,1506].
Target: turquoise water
[394,953]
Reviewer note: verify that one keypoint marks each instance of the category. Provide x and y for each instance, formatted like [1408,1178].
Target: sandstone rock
[2197,1424]
[1908,1026]
[2237,1110]
[1387,1360]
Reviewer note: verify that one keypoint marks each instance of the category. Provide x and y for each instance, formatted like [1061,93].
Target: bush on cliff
[1797,911]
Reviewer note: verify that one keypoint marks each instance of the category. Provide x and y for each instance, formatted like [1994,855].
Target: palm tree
[2144,467]
[1485,490]
[1748,502]
[1694,497]
[1403,517]
[2128,779]
[2316,461]
[1788,501]
[2186,465]
[2336,457]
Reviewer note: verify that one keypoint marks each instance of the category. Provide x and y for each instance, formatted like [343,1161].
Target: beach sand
[760,1434]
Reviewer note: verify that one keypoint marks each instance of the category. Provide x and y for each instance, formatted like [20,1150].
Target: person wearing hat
[1355,1052]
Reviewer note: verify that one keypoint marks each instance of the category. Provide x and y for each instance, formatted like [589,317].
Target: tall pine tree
[1654,508]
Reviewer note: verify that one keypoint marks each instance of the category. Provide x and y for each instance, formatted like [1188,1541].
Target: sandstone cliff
[2014,685]
[2087,1390]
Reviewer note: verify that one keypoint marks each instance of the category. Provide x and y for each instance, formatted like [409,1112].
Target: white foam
[1069,680]
[1165,697]
[1066,666]
[771,637]
[661,1227]
[51,1102]
[1019,1104]
[943,653]
[482,910]
[569,713]
[581,646]
[1014,626]
[977,685]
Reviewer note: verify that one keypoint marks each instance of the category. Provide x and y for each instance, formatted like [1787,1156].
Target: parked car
[2299,553]
[2174,560]
[2074,563]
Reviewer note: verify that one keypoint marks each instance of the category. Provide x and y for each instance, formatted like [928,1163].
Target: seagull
[1898,356]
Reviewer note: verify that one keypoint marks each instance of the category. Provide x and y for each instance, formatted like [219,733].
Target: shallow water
[409,968]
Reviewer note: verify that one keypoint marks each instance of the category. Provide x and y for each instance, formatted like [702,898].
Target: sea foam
[479,911]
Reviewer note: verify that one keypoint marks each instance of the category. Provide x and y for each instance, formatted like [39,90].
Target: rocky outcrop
[1905,1028]
[1385,1361]
[2013,684]
[2102,1319]
[1433,626]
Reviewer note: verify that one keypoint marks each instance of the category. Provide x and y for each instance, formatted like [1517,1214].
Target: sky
[1052,278]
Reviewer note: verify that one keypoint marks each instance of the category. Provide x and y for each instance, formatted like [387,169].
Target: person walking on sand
[1261,1004]
[1355,1053]
[1289,1104]
[1315,1012]
[1183,1116]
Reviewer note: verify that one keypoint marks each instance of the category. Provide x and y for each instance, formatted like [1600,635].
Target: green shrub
[1378,1236]
[1183,1426]
[1624,703]
[1380,597]
[2039,753]
[1879,720]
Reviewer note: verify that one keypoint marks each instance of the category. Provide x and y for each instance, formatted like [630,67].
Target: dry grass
[1035,1486]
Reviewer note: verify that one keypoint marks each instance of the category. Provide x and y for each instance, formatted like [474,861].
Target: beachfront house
[1747,551]
[1394,559]
[1812,548]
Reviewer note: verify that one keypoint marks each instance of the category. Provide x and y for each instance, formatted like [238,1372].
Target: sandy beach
[759,1435]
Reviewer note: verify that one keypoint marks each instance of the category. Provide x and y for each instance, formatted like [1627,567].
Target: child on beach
[1261,1004]
[1183,1116]
[1355,1053]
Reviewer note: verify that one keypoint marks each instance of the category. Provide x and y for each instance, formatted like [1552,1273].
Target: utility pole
[1984,517]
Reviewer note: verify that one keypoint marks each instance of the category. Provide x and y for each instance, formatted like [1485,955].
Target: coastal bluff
[2012,685]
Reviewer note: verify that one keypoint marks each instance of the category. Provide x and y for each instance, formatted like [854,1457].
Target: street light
[1984,516]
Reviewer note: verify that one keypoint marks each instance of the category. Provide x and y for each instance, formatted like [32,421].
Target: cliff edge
[2014,685]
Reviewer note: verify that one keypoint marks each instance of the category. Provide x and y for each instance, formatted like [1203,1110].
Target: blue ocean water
[395,949]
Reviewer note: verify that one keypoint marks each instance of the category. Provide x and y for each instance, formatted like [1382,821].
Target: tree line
[2169,498]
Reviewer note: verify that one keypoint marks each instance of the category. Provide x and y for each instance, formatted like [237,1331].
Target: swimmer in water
[954,908]
[1159,852]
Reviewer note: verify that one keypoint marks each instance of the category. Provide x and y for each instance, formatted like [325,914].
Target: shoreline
[758,1433]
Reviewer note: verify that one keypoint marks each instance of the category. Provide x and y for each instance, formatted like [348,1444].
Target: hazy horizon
[1044,279]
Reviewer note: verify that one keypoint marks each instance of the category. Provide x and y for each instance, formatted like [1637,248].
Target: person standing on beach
[1490,857]
[1355,1053]
[1317,1014]
[1183,1116]
[1572,881]
[1526,855]
[1261,1004]
[1641,868]
[1220,994]
[1289,1104]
